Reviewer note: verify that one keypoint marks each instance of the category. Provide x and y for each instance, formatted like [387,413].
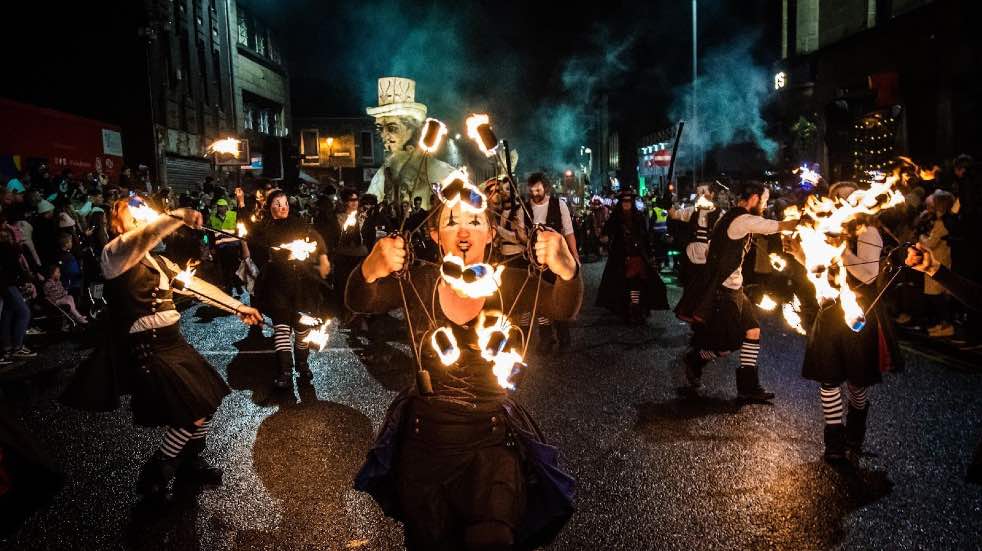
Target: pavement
[654,470]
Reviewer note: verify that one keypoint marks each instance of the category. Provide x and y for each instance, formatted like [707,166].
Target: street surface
[654,471]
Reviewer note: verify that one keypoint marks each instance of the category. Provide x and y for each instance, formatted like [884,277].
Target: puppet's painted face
[462,233]
[395,132]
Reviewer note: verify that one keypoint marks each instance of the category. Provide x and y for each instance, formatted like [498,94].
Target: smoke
[731,94]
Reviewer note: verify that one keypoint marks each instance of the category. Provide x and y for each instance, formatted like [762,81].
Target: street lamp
[330,157]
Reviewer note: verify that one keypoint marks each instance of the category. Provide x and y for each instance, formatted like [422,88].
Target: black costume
[466,465]
[631,286]
[285,288]
[695,241]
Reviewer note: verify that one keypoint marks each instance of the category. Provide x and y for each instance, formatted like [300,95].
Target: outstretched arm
[123,252]
[213,296]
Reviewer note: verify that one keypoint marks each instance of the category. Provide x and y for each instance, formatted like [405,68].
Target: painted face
[464,234]
[280,208]
[394,132]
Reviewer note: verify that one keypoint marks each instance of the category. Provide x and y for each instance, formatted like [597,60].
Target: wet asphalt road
[654,471]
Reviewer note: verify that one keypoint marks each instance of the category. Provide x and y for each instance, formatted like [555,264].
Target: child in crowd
[57,294]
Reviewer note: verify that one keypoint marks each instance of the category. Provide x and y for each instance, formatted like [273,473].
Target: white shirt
[739,228]
[865,264]
[696,251]
[541,212]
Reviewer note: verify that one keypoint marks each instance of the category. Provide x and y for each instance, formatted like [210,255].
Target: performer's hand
[922,259]
[249,315]
[190,217]
[793,247]
[551,250]
[787,225]
[388,256]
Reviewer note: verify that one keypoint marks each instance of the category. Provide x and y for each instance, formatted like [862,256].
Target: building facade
[862,81]
[339,151]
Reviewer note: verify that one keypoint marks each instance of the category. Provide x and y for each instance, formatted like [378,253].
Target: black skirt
[835,353]
[458,473]
[284,290]
[732,315]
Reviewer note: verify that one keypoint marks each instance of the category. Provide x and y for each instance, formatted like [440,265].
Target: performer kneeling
[145,354]
[465,466]
[721,315]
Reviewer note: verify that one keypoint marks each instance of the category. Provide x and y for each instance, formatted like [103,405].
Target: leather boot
[835,443]
[285,378]
[155,475]
[300,356]
[748,386]
[856,429]
[194,469]
[693,369]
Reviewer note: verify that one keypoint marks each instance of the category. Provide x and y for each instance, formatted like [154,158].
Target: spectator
[45,232]
[71,270]
[55,292]
[16,315]
[939,206]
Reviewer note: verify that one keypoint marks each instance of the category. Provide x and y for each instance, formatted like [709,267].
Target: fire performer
[721,315]
[835,353]
[283,287]
[145,354]
[701,219]
[631,286]
[461,464]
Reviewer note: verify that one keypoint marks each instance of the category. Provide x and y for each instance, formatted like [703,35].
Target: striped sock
[544,321]
[525,319]
[831,404]
[708,355]
[299,337]
[635,297]
[174,441]
[281,338]
[749,352]
[857,396]
[202,431]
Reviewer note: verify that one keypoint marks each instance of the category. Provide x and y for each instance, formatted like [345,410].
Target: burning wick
[432,136]
[778,262]
[299,250]
[792,311]
[228,146]
[456,189]
[492,339]
[183,279]
[479,130]
[241,229]
[767,303]
[309,321]
[445,344]
[143,213]
[473,280]
[350,221]
[317,337]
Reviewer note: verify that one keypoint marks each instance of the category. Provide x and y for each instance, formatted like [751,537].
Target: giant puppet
[406,173]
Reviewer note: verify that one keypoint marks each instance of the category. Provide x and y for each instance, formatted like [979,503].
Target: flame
[703,202]
[309,321]
[484,285]
[492,349]
[792,315]
[299,250]
[350,221]
[767,303]
[479,130]
[252,217]
[809,178]
[143,213]
[241,229]
[449,354]
[461,175]
[778,262]
[434,131]
[185,276]
[317,337]
[228,146]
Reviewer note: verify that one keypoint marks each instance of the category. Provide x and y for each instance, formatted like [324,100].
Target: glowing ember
[241,228]
[767,303]
[445,345]
[479,130]
[792,315]
[778,262]
[432,136]
[227,146]
[184,278]
[299,250]
[472,280]
[317,337]
[351,221]
[702,202]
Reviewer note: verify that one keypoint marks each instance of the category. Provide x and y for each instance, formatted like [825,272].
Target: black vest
[700,234]
[554,216]
[725,255]
[136,293]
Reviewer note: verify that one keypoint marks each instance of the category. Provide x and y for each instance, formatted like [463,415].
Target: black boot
[300,356]
[285,378]
[562,335]
[155,475]
[835,443]
[693,369]
[748,386]
[856,429]
[194,469]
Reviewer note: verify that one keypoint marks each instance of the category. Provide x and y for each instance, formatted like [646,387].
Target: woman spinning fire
[459,462]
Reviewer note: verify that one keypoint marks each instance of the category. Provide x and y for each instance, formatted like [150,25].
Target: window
[247,115]
[264,121]
[204,77]
[243,28]
[186,66]
[367,147]
[274,49]
[260,41]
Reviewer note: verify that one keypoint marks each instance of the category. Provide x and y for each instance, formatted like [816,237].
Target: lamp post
[330,157]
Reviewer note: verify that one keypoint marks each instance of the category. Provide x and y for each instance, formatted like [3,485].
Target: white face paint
[464,234]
